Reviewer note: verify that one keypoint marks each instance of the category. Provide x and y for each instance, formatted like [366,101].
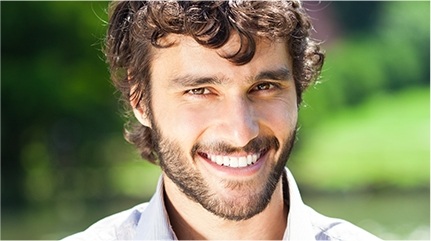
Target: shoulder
[119,226]
[326,228]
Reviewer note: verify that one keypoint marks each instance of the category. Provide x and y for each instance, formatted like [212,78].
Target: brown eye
[198,91]
[263,86]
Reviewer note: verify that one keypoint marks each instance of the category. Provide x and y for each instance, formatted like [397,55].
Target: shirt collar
[154,222]
[299,226]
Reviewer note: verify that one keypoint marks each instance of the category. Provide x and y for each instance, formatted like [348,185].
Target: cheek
[281,120]
[181,123]
[280,115]
[291,115]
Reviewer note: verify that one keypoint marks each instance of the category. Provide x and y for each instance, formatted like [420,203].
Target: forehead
[185,56]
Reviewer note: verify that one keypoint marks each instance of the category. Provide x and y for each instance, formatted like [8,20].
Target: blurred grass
[383,141]
[384,214]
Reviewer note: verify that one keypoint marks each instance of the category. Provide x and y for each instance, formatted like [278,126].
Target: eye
[198,91]
[264,86]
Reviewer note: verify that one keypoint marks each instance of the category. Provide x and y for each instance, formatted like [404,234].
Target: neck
[190,221]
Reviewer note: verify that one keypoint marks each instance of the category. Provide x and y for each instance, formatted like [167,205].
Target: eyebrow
[279,74]
[190,81]
[282,73]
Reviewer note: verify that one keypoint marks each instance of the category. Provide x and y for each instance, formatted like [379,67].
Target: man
[216,87]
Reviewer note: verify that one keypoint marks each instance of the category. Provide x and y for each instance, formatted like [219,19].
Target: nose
[239,122]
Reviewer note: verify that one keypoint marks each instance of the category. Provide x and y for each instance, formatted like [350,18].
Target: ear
[141,116]
[139,109]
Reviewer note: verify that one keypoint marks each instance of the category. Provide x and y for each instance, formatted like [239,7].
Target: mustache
[256,145]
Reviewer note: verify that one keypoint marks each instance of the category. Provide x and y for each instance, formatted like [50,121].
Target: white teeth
[235,162]
[219,160]
[226,161]
[249,159]
[242,161]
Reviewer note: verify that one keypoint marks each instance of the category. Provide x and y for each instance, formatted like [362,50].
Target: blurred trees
[367,123]
[57,102]
[61,139]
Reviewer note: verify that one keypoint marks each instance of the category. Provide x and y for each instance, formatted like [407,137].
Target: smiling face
[224,132]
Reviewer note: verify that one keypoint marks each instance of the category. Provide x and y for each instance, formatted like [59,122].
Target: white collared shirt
[150,221]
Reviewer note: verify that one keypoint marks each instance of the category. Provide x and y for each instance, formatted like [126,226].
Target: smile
[233,161]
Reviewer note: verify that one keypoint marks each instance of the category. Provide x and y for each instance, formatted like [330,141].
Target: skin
[202,106]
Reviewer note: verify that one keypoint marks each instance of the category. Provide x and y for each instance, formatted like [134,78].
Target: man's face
[224,132]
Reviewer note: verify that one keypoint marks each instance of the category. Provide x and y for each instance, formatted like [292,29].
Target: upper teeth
[232,161]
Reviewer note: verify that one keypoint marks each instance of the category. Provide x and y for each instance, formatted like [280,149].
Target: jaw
[186,217]
[230,191]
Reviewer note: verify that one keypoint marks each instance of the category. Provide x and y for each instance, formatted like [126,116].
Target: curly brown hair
[136,27]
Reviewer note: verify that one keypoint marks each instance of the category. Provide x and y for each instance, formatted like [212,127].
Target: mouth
[237,161]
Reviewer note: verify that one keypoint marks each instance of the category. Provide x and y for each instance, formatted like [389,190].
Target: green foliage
[384,142]
[370,110]
[57,102]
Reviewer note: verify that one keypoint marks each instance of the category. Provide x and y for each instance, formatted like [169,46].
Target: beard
[254,195]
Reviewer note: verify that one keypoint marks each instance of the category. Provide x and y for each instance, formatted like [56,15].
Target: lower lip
[224,171]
